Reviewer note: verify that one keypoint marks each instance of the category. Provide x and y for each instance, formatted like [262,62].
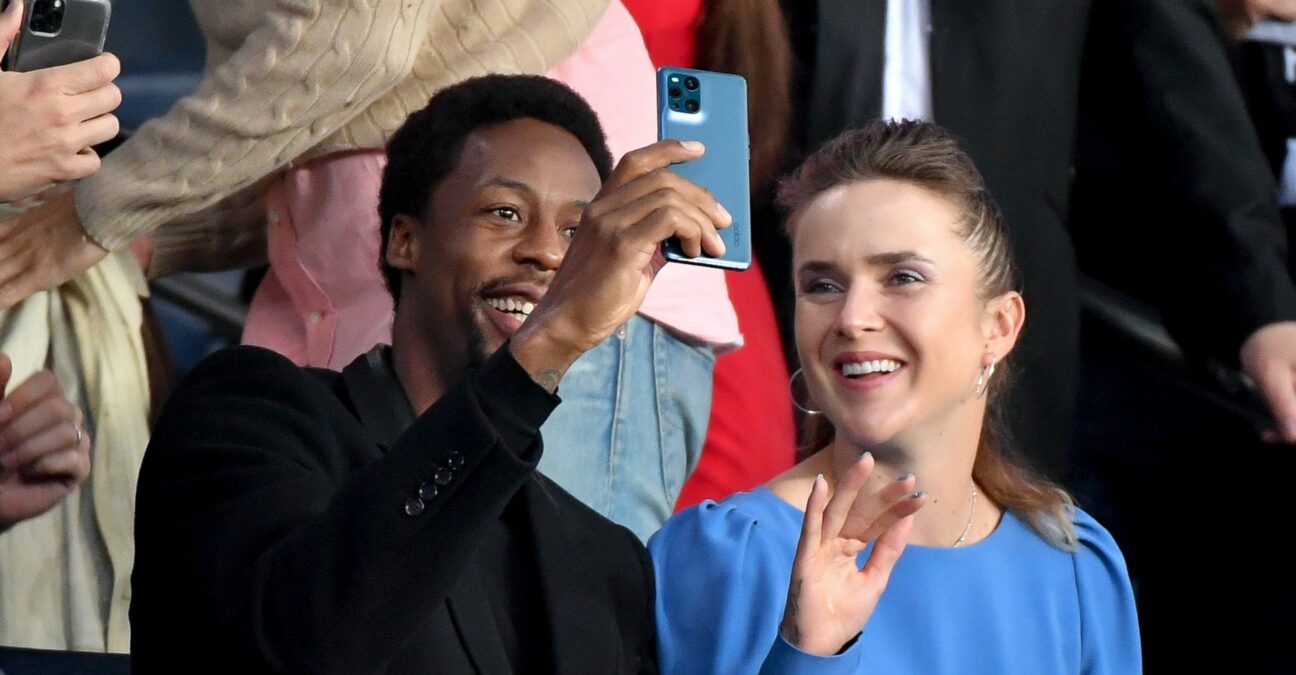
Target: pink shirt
[324,301]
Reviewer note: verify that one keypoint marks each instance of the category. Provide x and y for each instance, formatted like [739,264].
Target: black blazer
[274,529]
[1006,79]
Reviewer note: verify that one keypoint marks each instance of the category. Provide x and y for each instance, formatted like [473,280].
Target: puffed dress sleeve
[722,576]
[1109,632]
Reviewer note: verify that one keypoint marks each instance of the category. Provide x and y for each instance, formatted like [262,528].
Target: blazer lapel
[471,614]
[379,400]
[385,413]
[581,623]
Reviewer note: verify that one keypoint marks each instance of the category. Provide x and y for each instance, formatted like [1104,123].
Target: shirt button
[413,506]
[455,461]
[442,477]
[315,317]
[427,492]
[274,217]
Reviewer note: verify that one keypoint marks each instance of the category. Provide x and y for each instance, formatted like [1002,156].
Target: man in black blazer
[389,519]
[1005,77]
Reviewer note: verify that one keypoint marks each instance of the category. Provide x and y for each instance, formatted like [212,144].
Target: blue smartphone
[699,105]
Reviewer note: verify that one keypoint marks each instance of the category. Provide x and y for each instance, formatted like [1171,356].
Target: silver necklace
[971,514]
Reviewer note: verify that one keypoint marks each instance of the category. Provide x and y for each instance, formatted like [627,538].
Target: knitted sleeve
[302,74]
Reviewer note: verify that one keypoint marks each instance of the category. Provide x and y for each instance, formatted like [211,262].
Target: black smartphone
[699,105]
[59,32]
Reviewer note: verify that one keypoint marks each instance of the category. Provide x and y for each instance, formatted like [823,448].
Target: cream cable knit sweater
[288,80]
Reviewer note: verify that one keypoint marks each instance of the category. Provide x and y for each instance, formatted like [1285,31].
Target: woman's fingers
[847,490]
[51,440]
[28,395]
[96,130]
[866,518]
[37,420]
[70,465]
[812,523]
[886,552]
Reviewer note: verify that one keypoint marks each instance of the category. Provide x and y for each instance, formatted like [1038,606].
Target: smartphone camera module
[685,93]
[47,16]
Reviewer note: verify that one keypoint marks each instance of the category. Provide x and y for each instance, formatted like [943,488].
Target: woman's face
[890,326]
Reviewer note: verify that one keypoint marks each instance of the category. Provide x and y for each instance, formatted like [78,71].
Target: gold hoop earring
[983,379]
[792,387]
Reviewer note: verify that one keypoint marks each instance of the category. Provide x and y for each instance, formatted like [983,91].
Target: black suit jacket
[274,533]
[1006,79]
[1261,70]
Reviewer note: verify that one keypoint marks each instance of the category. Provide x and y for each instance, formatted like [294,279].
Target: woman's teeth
[867,367]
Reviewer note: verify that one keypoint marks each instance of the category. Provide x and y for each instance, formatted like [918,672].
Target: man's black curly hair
[427,146]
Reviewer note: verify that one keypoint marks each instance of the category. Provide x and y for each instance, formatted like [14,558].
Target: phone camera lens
[47,16]
[691,83]
[675,92]
[691,106]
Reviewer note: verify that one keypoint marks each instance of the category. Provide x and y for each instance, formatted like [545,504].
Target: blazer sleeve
[722,579]
[273,535]
[1109,633]
[1225,246]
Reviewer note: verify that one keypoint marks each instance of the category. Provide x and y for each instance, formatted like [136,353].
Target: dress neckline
[1000,531]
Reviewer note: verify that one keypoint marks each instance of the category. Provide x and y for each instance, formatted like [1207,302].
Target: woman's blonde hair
[925,155]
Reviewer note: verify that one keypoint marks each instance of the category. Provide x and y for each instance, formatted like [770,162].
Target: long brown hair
[923,154]
[750,38]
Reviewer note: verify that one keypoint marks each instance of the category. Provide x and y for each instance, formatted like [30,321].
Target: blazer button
[455,461]
[413,506]
[427,492]
[442,477]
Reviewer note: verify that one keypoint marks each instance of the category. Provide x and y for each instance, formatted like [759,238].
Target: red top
[669,29]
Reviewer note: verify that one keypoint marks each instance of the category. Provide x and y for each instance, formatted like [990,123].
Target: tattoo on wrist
[549,378]
[791,632]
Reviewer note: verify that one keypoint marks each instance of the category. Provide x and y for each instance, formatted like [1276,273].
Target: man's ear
[402,244]
[1002,322]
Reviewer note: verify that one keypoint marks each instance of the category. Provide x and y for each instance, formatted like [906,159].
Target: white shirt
[906,77]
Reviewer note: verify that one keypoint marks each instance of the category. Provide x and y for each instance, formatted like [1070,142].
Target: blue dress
[1011,603]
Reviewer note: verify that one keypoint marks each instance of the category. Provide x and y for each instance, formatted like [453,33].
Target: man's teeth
[867,367]
[520,306]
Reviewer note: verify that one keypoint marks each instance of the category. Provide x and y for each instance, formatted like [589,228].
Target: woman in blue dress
[909,541]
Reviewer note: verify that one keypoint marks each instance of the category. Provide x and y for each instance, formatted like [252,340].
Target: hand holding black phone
[58,32]
[54,112]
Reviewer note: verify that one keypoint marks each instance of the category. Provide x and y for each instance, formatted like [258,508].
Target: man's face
[492,238]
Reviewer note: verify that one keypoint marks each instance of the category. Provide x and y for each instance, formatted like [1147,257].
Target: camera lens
[691,83]
[47,16]
[675,92]
[691,106]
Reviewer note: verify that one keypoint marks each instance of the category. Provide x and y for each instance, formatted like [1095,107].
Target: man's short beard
[476,341]
[476,347]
